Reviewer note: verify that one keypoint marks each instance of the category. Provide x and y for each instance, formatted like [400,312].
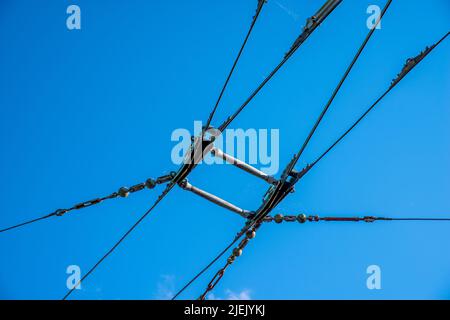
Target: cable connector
[312,23]
[410,64]
[298,175]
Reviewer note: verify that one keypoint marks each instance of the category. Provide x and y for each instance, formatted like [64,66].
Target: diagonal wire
[249,225]
[237,252]
[306,33]
[160,198]
[258,11]
[396,81]
[122,192]
[28,222]
[311,133]
[57,213]
[61,212]
[300,40]
[296,45]
[236,239]
[341,82]
[172,183]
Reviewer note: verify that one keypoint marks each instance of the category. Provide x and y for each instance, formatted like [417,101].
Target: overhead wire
[339,86]
[241,50]
[395,82]
[173,181]
[344,77]
[307,31]
[223,127]
[328,7]
[392,86]
[302,218]
[125,235]
[89,203]
[123,192]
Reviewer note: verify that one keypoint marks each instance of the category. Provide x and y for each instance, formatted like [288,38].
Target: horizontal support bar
[214,199]
[242,165]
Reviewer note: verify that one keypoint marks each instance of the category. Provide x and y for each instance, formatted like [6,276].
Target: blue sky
[86,112]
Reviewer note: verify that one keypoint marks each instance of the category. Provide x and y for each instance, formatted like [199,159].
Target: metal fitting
[250,234]
[124,192]
[150,183]
[278,218]
[60,212]
[301,218]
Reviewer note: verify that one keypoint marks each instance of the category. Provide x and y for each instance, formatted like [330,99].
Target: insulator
[150,183]
[60,212]
[250,234]
[278,218]
[230,260]
[237,252]
[301,218]
[124,192]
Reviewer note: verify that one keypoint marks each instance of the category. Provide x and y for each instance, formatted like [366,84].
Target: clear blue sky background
[85,112]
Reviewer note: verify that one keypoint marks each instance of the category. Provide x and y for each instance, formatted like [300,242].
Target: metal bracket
[214,199]
[242,165]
